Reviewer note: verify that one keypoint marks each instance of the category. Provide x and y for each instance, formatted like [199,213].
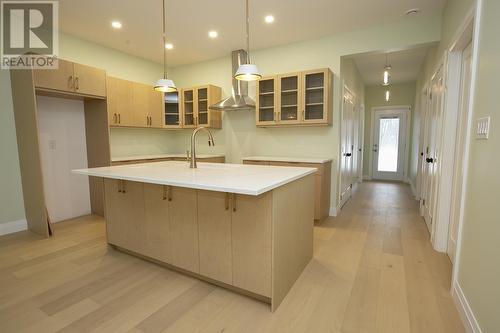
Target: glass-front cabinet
[172,110]
[315,96]
[302,98]
[266,111]
[289,97]
[196,107]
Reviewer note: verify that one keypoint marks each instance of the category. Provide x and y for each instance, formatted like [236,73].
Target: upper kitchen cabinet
[120,102]
[72,78]
[266,101]
[295,99]
[195,107]
[172,109]
[147,108]
[132,104]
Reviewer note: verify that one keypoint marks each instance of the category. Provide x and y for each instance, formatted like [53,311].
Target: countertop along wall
[401,94]
[239,137]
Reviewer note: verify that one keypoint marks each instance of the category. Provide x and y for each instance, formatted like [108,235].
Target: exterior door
[458,175]
[433,148]
[389,144]
[346,153]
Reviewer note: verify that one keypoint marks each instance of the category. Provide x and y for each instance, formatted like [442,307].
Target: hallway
[373,271]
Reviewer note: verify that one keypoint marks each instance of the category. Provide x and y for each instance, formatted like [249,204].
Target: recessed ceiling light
[269,19]
[169,46]
[213,34]
[412,11]
[116,24]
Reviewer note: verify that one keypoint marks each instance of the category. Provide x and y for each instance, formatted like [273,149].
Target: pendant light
[247,71]
[387,74]
[165,84]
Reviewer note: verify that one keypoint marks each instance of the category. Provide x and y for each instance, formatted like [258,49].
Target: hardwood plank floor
[373,270]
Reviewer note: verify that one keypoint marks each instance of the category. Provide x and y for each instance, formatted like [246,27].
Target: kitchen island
[244,227]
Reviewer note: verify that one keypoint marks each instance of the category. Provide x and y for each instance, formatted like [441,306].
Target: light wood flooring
[373,271]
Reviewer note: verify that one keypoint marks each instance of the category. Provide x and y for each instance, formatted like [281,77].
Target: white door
[458,172]
[389,144]
[346,153]
[433,148]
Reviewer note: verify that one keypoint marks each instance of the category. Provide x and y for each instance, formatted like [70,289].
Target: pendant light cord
[164,42]
[248,31]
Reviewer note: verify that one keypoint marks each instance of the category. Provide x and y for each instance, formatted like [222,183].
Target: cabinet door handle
[115,120]
[164,192]
[70,81]
[123,187]
[234,202]
[120,186]
[227,201]
[119,118]
[77,85]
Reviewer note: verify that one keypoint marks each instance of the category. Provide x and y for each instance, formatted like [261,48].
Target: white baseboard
[13,226]
[470,322]
[333,211]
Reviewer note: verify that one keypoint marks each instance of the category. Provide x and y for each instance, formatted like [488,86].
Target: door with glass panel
[389,144]
[188,108]
[266,112]
[289,98]
[316,86]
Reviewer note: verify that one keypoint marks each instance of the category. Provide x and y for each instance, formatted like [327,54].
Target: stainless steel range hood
[239,99]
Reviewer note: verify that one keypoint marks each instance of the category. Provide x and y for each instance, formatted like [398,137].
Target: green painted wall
[479,271]
[401,94]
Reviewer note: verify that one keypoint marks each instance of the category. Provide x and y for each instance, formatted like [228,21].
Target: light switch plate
[483,128]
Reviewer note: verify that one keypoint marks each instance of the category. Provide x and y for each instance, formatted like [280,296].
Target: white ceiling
[188,23]
[405,64]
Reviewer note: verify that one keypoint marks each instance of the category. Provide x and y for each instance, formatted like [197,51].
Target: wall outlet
[483,128]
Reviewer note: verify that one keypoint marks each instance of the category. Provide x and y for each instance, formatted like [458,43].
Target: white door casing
[458,172]
[346,147]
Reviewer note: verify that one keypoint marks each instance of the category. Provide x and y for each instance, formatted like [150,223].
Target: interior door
[389,144]
[346,149]
[433,148]
[459,151]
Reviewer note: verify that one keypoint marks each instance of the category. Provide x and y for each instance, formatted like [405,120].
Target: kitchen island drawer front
[124,212]
[252,242]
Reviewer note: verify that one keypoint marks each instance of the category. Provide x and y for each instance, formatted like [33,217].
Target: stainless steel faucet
[211,142]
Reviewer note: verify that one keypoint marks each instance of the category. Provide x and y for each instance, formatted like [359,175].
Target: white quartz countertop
[221,177]
[158,156]
[288,159]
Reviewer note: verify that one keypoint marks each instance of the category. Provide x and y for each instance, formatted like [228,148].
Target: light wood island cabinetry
[257,244]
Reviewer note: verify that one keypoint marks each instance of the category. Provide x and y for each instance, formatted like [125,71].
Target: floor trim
[470,322]
[13,226]
[333,211]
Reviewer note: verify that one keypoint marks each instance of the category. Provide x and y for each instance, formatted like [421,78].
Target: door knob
[348,154]
[429,160]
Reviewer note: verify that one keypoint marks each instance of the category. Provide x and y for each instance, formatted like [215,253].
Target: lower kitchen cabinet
[157,233]
[322,181]
[214,222]
[222,236]
[124,211]
[252,242]
[183,217]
